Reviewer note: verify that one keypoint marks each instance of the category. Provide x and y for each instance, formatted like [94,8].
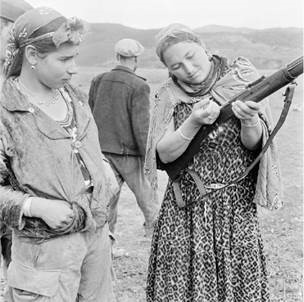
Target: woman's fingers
[211,113]
[205,112]
[238,112]
[69,217]
[55,213]
[253,105]
[213,109]
[245,110]
[65,222]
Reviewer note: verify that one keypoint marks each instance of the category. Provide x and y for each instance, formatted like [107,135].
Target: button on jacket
[119,100]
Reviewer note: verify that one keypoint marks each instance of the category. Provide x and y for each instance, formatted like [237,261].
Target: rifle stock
[255,91]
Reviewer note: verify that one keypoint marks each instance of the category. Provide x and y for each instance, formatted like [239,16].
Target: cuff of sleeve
[21,221]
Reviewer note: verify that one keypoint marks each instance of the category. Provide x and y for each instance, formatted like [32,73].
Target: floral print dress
[211,250]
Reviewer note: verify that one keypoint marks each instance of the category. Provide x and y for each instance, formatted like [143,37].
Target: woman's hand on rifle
[204,112]
[251,127]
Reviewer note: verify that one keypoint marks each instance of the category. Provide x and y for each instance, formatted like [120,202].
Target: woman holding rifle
[208,247]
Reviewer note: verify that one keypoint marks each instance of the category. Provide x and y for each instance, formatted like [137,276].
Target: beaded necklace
[39,98]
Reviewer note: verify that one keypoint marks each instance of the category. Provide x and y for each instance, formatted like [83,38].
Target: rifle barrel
[295,68]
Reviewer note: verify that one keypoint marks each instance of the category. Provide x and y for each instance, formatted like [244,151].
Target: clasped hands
[206,111]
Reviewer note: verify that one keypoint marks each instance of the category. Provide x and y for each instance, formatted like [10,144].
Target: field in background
[282,229]
[85,74]
[266,48]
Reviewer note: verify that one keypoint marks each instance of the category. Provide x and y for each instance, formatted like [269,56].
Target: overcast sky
[194,13]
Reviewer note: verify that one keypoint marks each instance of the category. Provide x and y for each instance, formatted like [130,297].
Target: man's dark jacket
[119,100]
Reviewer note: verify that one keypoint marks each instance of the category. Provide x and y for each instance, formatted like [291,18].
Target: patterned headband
[70,31]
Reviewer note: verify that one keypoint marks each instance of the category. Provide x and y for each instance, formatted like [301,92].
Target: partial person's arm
[14,204]
[11,201]
[174,143]
[251,127]
[141,116]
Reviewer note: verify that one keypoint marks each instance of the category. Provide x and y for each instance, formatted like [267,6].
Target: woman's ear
[209,54]
[30,53]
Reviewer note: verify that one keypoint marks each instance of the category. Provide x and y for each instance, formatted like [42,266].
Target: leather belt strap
[178,193]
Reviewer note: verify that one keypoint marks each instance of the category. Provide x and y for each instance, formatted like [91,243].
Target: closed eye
[67,58]
[190,55]
[175,66]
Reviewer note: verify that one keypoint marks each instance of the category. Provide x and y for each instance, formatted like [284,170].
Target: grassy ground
[282,230]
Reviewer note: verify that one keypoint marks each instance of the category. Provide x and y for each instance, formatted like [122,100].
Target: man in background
[119,100]
[10,10]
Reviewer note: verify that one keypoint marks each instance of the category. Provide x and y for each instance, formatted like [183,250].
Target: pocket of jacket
[30,281]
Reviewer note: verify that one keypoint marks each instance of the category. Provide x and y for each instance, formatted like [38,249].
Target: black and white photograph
[151,151]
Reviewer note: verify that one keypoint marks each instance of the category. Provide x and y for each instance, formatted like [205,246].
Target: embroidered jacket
[40,154]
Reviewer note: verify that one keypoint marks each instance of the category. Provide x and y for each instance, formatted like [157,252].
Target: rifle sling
[207,189]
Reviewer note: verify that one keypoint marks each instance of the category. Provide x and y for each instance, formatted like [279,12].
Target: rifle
[255,91]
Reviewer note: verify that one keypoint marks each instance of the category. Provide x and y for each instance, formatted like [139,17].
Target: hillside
[268,48]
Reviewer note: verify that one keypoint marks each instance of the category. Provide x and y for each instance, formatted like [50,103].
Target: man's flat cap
[128,48]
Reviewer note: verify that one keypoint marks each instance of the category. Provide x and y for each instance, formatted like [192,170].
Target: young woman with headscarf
[49,149]
[210,249]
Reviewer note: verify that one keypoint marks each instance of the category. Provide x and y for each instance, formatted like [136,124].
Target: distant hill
[220,28]
[267,49]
